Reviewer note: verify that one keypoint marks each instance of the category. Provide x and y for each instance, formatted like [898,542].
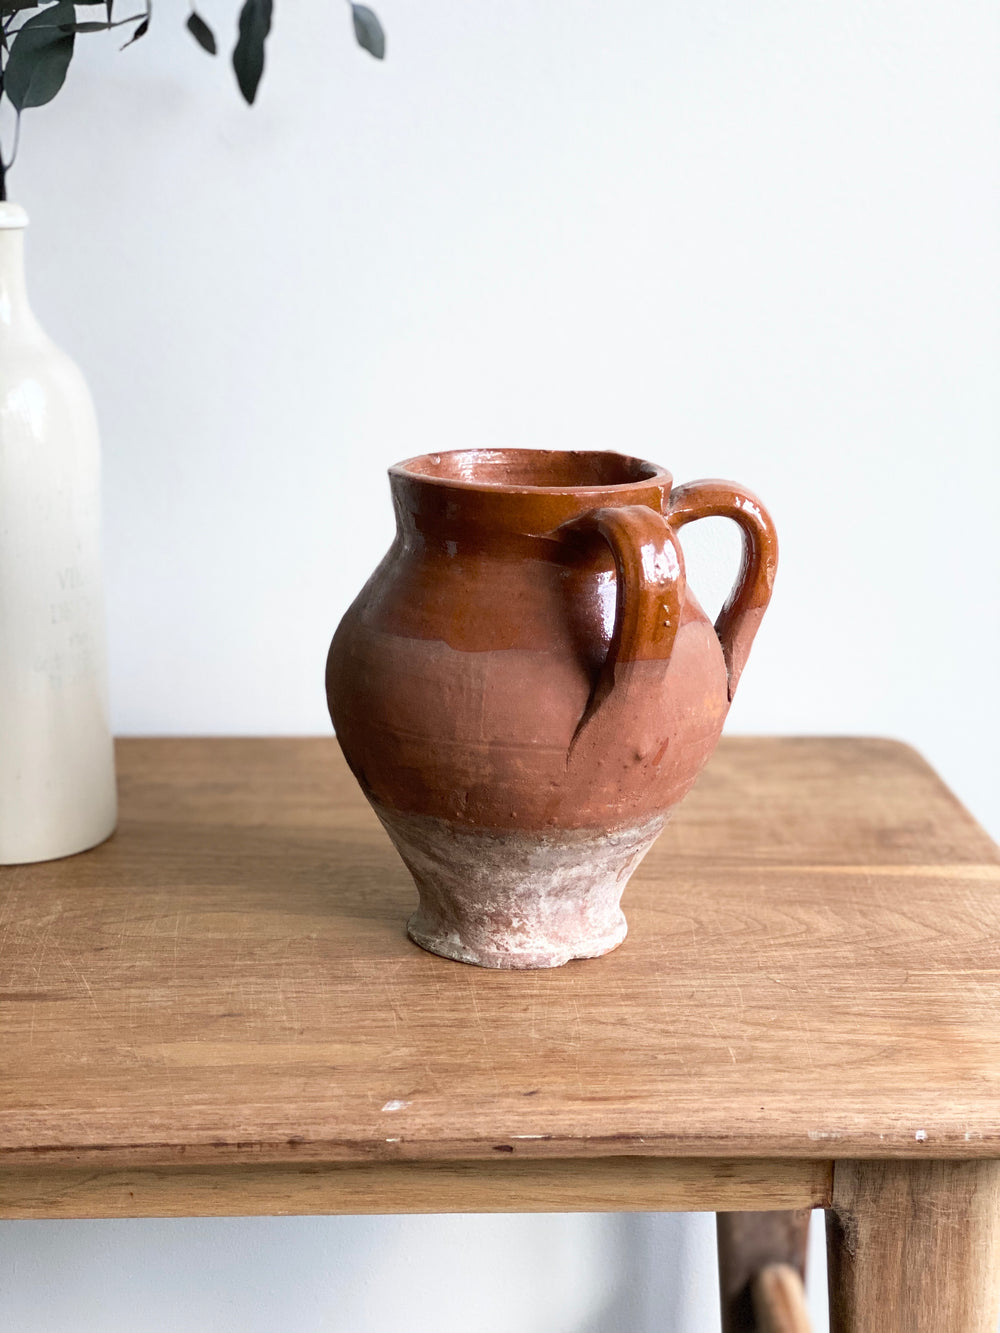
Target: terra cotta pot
[525,688]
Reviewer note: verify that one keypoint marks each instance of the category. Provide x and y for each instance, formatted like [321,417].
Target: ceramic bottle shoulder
[44,397]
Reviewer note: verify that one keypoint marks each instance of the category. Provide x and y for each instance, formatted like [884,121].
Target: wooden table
[218,1012]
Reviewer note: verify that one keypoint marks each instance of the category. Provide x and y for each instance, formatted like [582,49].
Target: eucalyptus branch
[35,52]
[17,142]
[88,27]
[3,165]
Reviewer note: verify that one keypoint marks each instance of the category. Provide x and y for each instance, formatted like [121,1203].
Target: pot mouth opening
[544,471]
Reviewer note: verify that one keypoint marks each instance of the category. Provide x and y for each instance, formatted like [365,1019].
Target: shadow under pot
[525,688]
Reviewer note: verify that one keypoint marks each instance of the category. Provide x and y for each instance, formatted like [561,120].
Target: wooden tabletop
[812,971]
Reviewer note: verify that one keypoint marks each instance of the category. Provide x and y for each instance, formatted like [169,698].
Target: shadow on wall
[667,1276]
[538,1273]
[663,1273]
[560,1273]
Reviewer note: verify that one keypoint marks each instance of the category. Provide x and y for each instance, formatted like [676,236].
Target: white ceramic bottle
[57,780]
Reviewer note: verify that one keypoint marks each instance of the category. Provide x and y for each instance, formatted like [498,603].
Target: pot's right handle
[739,619]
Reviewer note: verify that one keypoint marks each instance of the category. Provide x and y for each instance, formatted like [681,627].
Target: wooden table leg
[914,1247]
[749,1242]
[779,1300]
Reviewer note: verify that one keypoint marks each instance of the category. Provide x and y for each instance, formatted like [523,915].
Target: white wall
[749,240]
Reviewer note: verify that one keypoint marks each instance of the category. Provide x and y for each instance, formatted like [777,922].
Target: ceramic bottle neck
[15,312]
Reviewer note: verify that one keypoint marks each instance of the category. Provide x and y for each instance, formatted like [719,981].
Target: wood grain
[811,971]
[618,1184]
[914,1246]
[779,1300]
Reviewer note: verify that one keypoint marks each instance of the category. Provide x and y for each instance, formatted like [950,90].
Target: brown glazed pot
[525,688]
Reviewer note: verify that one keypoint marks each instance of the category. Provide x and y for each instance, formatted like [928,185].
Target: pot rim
[643,472]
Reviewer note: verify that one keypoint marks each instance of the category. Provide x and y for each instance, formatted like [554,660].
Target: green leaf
[248,56]
[141,31]
[368,31]
[39,57]
[201,32]
[103,26]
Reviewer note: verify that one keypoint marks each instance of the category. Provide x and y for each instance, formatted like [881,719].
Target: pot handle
[649,570]
[740,618]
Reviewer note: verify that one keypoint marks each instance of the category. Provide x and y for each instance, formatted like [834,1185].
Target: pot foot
[517,899]
[449,944]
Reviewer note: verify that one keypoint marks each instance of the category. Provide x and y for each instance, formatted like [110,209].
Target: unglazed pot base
[514,899]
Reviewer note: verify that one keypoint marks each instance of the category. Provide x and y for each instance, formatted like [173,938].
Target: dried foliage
[37,42]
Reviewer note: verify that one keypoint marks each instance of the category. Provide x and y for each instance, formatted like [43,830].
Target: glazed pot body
[526,687]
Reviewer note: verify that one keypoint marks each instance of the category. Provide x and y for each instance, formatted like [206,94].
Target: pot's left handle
[649,572]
